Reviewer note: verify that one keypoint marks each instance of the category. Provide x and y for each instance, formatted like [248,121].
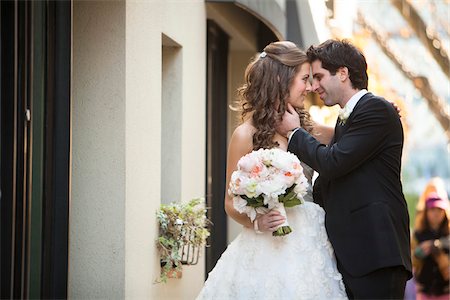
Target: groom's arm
[317,192]
[364,138]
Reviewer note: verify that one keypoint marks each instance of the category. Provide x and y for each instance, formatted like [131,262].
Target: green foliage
[289,199]
[255,201]
[180,224]
[411,200]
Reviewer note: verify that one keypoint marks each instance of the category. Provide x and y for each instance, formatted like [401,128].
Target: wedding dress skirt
[300,265]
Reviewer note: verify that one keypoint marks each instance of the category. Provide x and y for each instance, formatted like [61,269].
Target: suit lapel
[339,130]
[323,183]
[336,133]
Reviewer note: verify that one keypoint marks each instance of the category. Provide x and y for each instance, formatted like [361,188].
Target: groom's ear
[343,73]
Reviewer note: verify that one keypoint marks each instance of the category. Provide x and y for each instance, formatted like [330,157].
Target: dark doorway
[216,140]
[35,147]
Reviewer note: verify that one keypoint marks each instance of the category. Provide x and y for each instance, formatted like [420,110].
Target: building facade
[108,109]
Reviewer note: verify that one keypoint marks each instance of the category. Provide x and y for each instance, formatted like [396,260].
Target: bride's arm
[241,143]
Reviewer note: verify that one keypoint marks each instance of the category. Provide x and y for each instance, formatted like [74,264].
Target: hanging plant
[182,232]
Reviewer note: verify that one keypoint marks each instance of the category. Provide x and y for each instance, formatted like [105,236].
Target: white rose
[248,162]
[241,206]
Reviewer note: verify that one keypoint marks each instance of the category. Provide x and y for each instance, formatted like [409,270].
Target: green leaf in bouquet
[254,202]
[286,197]
[292,202]
[289,199]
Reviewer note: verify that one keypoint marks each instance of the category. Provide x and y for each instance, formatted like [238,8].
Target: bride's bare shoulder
[243,135]
[245,130]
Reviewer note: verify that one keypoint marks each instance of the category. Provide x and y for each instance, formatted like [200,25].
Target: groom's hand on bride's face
[270,221]
[290,120]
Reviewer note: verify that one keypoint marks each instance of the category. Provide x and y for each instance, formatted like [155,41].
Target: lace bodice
[300,265]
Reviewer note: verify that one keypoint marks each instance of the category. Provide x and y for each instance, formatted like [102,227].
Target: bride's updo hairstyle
[266,89]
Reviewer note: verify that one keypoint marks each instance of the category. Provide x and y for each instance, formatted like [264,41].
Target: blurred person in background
[430,247]
[434,185]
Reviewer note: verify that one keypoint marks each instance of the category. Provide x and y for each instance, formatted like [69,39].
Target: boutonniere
[344,113]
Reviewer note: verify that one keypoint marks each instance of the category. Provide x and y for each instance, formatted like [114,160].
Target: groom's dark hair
[335,54]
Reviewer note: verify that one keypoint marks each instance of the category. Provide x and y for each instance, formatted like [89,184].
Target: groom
[359,184]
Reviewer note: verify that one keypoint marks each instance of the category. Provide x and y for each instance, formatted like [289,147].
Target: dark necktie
[337,132]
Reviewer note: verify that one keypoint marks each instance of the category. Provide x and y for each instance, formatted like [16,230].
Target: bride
[257,265]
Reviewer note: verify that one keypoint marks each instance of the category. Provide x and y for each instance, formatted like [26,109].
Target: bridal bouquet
[268,179]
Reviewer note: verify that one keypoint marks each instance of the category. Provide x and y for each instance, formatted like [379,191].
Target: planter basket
[190,253]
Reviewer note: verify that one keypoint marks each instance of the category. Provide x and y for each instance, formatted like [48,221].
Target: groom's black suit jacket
[359,187]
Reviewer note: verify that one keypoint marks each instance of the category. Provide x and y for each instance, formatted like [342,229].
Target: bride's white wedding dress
[300,265]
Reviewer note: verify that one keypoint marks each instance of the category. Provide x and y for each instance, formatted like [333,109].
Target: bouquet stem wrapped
[268,179]
[284,228]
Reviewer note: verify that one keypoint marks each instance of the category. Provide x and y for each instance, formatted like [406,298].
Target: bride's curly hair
[266,89]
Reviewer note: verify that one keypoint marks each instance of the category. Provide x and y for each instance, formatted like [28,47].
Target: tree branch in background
[435,103]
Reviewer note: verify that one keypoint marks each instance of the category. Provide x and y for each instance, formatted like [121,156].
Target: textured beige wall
[117,143]
[97,210]
[185,23]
